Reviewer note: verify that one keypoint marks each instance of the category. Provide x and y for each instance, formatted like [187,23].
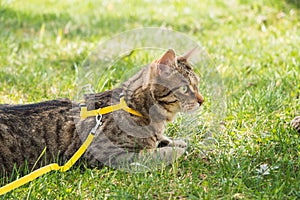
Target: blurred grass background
[254,46]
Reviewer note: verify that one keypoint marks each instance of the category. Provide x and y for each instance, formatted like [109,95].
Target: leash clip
[98,123]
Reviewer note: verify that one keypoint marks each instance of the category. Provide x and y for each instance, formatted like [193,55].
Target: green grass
[254,49]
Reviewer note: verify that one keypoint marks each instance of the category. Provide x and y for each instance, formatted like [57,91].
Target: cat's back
[35,107]
[23,117]
[25,130]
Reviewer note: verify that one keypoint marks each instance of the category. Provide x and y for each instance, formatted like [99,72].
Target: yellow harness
[84,113]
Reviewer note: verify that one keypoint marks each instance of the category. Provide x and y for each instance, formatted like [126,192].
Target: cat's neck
[140,98]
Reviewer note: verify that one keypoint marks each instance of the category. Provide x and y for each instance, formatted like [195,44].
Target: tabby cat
[37,134]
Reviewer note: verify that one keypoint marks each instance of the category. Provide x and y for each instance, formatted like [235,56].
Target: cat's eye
[184,89]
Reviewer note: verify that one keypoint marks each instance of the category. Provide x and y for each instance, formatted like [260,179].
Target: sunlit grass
[241,144]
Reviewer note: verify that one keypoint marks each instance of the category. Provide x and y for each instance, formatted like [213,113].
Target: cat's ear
[167,60]
[160,67]
[187,55]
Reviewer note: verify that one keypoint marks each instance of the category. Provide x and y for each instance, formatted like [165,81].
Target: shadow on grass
[295,3]
[12,21]
[19,23]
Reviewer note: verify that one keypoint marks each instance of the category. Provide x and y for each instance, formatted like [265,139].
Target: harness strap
[102,111]
[84,113]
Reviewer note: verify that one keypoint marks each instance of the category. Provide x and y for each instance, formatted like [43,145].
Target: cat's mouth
[190,108]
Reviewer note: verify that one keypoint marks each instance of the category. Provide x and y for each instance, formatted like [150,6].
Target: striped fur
[296,123]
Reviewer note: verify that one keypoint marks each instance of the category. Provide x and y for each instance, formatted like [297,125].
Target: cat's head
[173,84]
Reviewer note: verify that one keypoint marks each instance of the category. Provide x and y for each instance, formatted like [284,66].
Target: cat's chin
[170,119]
[191,109]
[171,116]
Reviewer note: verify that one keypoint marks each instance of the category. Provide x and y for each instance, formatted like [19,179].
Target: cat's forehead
[186,69]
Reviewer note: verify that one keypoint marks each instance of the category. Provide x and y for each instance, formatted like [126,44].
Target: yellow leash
[51,167]
[84,113]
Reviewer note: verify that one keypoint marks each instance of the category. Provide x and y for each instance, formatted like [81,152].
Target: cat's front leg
[151,159]
[145,160]
[168,142]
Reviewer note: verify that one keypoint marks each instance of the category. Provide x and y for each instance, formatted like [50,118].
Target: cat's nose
[200,98]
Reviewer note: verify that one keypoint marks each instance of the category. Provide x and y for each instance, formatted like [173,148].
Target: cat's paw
[168,142]
[160,156]
[169,154]
[178,143]
[155,158]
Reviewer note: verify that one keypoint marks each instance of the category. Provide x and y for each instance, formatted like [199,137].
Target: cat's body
[158,92]
[27,129]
